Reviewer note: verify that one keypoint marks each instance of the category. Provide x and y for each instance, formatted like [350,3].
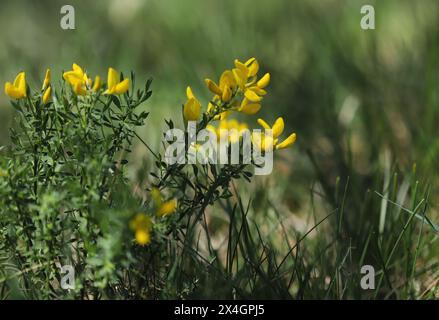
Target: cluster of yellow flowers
[81,83]
[238,89]
[77,78]
[266,142]
[18,89]
[239,82]
[142,224]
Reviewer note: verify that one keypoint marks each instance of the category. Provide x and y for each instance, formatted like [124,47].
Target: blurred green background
[351,95]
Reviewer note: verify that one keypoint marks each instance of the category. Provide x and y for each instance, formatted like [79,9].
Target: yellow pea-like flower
[242,68]
[213,87]
[78,79]
[278,127]
[191,110]
[252,66]
[252,95]
[225,88]
[287,142]
[192,107]
[97,84]
[240,77]
[74,76]
[115,86]
[46,81]
[17,90]
[46,95]
[249,108]
[264,81]
[227,79]
[277,130]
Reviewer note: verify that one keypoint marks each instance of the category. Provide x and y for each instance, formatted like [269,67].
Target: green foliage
[62,174]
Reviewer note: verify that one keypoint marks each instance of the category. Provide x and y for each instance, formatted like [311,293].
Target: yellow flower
[167,208]
[141,225]
[46,95]
[75,75]
[192,107]
[225,88]
[266,142]
[278,126]
[163,208]
[46,81]
[264,81]
[17,90]
[243,71]
[78,79]
[80,82]
[287,142]
[114,85]
[248,107]
[97,84]
[245,75]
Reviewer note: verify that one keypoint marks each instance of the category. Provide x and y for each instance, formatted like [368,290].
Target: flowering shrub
[66,199]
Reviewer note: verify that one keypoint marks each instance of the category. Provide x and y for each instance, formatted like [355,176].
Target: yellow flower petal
[287,142]
[190,93]
[252,96]
[191,110]
[121,87]
[46,95]
[112,78]
[213,87]
[258,91]
[78,70]
[20,83]
[264,81]
[239,65]
[278,127]
[46,79]
[253,67]
[97,84]
[227,94]
[249,61]
[240,77]
[72,77]
[17,90]
[250,108]
[227,79]
[12,92]
[264,124]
